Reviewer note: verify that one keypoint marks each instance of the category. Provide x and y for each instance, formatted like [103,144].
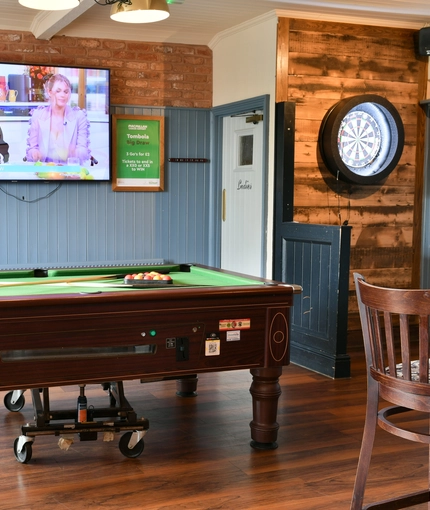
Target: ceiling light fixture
[126,11]
[50,5]
[137,11]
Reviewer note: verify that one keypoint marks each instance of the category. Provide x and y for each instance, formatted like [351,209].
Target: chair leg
[367,442]
[369,432]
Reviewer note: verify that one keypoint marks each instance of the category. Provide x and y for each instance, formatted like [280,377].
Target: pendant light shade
[50,5]
[140,11]
[126,11]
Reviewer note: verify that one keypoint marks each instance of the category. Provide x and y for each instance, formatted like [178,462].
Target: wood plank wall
[320,63]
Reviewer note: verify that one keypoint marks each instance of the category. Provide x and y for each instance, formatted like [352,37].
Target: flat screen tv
[54,123]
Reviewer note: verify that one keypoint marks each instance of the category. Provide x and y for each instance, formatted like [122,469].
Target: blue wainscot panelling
[82,222]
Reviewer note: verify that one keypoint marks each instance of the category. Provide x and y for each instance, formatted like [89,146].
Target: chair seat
[415,367]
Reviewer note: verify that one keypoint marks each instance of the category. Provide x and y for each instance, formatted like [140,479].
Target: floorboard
[197,454]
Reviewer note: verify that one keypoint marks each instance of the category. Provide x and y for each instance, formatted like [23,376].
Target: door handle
[223,204]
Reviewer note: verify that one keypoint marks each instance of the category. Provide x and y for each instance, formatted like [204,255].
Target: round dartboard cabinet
[361,139]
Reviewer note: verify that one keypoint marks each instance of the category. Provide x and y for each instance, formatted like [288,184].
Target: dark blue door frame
[260,103]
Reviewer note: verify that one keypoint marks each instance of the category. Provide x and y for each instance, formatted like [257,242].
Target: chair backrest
[395,326]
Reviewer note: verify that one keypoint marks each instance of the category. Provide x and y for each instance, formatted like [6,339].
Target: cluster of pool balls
[148,275]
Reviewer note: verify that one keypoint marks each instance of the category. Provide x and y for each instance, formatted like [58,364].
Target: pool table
[84,325]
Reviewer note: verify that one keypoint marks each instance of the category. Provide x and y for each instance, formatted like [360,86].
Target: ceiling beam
[46,24]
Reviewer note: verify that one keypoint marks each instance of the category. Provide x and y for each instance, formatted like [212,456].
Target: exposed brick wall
[146,74]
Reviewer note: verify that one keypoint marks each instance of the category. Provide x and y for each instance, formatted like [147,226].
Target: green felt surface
[46,285]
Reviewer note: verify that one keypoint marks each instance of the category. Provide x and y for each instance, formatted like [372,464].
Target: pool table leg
[265,391]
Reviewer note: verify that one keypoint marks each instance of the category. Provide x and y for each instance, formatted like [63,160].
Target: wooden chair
[397,371]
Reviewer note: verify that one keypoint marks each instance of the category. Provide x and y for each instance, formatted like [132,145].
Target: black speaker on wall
[422,41]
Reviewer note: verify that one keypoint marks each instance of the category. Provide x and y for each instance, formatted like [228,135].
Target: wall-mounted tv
[54,123]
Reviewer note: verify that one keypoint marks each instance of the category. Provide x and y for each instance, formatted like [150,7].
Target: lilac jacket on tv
[76,132]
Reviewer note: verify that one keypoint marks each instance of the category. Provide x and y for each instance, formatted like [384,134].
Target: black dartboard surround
[361,139]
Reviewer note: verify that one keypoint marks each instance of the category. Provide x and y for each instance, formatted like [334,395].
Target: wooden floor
[197,454]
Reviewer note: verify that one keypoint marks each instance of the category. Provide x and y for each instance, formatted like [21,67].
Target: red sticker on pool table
[227,324]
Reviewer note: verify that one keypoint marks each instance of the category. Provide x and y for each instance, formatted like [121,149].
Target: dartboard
[361,139]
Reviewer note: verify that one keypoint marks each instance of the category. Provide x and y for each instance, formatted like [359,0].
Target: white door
[242,232]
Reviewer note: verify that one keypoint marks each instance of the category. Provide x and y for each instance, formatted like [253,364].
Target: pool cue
[44,281]
[143,286]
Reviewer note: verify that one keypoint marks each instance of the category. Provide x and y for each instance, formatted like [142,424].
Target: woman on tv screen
[58,133]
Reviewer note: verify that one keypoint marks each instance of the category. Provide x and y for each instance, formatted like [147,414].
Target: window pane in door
[246,145]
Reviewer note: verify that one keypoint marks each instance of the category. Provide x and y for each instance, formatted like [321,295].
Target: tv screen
[54,123]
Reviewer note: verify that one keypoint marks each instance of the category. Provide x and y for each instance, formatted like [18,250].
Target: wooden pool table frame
[67,339]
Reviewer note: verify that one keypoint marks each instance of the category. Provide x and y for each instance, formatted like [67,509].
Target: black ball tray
[147,283]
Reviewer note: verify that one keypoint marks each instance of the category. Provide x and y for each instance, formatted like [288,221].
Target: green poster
[138,153]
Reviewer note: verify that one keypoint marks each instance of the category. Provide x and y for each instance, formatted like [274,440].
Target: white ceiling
[200,21]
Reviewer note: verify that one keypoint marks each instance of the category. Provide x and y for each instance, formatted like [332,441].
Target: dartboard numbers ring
[361,139]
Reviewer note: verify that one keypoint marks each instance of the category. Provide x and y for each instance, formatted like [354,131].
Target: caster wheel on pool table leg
[127,446]
[13,403]
[24,455]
